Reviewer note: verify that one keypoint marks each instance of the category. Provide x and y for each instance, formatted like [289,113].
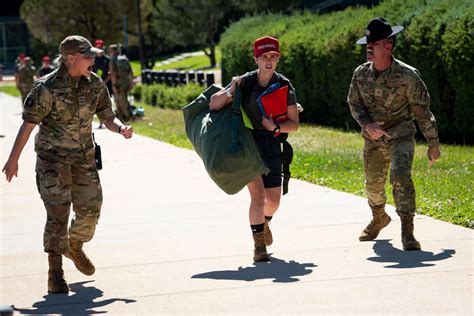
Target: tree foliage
[51,21]
[200,22]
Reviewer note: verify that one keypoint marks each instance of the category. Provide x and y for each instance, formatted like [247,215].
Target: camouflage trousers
[396,154]
[121,102]
[60,184]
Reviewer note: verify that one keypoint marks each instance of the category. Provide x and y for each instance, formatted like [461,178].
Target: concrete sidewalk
[170,242]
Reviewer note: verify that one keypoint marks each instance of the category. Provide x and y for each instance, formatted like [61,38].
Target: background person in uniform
[101,65]
[265,191]
[63,104]
[2,68]
[384,96]
[46,67]
[18,60]
[122,81]
[101,68]
[25,76]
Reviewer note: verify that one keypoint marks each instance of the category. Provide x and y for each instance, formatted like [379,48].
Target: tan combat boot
[260,252]
[56,282]
[80,259]
[408,239]
[380,220]
[267,233]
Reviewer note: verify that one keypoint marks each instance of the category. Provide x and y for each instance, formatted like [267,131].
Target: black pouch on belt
[98,154]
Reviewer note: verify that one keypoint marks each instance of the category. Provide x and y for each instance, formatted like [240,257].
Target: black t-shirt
[101,63]
[43,71]
[250,104]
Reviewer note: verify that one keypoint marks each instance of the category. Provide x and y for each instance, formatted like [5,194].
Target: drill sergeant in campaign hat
[385,96]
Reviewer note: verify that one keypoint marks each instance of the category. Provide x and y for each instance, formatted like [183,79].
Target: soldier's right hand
[10,169]
[375,131]
[235,81]
[433,154]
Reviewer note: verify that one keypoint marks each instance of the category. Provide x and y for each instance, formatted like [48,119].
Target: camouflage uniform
[394,99]
[26,74]
[65,169]
[120,66]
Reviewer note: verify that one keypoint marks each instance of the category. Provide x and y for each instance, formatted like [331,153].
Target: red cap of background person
[265,45]
[46,59]
[99,43]
[21,56]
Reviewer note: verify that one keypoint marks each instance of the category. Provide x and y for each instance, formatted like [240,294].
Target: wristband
[227,92]
[276,130]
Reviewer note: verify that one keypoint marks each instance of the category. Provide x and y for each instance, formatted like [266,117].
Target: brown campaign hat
[77,44]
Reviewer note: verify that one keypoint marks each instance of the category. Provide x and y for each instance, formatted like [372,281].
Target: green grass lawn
[333,158]
[9,88]
[190,63]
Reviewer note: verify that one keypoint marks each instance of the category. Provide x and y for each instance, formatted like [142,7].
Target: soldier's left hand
[268,123]
[433,154]
[126,131]
[10,169]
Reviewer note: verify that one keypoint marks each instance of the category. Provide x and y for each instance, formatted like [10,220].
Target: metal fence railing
[175,78]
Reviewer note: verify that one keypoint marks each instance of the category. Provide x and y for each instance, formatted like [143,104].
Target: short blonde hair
[60,59]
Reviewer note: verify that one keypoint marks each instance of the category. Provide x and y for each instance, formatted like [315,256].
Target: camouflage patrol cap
[77,44]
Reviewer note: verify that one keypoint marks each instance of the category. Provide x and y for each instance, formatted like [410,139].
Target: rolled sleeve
[419,101]
[356,104]
[104,105]
[37,104]
[291,95]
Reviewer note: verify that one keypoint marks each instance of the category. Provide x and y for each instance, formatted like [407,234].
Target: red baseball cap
[265,45]
[99,43]
[46,59]
[21,56]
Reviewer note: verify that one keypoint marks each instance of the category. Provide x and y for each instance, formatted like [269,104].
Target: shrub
[169,97]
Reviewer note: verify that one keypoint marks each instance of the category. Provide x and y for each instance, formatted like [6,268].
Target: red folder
[275,103]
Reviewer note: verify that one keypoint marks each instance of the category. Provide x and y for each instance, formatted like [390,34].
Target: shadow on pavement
[406,259]
[80,303]
[277,269]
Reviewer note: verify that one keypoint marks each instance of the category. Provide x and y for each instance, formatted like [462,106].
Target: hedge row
[319,55]
[164,96]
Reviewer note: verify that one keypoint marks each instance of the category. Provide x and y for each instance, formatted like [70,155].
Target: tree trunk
[212,55]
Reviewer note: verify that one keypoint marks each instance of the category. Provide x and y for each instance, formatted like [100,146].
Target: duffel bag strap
[236,117]
[286,159]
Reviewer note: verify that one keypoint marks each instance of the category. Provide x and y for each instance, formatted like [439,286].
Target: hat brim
[395,30]
[92,51]
[269,52]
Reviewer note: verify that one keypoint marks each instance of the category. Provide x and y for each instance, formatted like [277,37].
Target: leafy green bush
[137,92]
[168,97]
[319,55]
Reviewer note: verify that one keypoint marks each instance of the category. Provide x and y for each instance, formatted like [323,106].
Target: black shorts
[270,150]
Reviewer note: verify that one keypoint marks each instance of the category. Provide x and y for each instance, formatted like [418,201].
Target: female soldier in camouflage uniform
[63,104]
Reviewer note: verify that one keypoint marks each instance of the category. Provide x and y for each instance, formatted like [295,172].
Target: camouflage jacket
[120,66]
[394,98]
[26,74]
[64,108]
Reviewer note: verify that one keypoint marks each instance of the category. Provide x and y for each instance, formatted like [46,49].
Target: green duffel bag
[226,147]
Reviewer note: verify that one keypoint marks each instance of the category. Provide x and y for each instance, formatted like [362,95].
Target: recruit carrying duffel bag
[226,147]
